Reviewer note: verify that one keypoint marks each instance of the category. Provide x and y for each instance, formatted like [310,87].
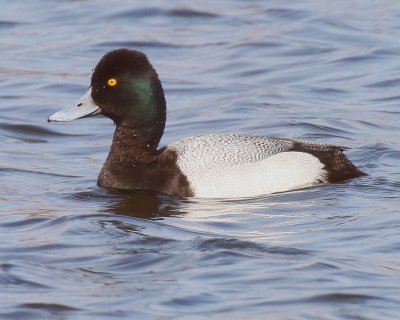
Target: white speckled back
[214,150]
[235,165]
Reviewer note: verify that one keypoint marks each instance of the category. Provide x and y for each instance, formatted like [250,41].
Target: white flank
[230,166]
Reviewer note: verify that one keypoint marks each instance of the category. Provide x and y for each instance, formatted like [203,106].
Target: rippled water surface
[322,70]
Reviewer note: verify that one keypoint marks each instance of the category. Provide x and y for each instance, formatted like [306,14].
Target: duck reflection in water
[142,204]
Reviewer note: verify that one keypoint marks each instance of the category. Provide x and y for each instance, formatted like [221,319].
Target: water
[327,71]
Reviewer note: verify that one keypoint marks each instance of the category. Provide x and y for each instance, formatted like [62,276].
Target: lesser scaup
[125,87]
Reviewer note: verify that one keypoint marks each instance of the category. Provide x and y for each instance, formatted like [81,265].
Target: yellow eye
[112,82]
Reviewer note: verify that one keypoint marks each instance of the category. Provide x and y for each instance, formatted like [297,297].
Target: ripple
[27,140]
[8,24]
[152,12]
[9,279]
[308,51]
[50,307]
[234,245]
[385,99]
[31,129]
[385,83]
[359,58]
[335,23]
[347,298]
[311,127]
[228,244]
[377,151]
[19,170]
[258,44]
[188,13]
[138,44]
[329,90]
[321,266]
[139,13]
[22,223]
[289,14]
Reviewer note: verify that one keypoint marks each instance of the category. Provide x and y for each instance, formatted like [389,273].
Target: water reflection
[137,204]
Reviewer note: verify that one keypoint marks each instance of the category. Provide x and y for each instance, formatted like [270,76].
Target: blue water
[326,71]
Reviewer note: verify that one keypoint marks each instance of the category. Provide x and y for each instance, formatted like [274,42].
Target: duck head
[125,88]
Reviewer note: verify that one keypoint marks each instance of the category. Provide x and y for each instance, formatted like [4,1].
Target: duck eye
[112,82]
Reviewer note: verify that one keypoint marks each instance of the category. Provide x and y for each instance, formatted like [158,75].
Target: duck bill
[85,107]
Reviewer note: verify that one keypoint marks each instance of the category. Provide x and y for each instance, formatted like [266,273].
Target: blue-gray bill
[85,107]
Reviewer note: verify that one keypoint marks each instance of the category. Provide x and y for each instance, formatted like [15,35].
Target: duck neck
[133,146]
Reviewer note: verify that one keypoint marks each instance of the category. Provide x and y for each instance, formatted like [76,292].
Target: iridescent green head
[127,89]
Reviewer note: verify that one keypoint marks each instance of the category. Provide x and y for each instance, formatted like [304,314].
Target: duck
[126,88]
